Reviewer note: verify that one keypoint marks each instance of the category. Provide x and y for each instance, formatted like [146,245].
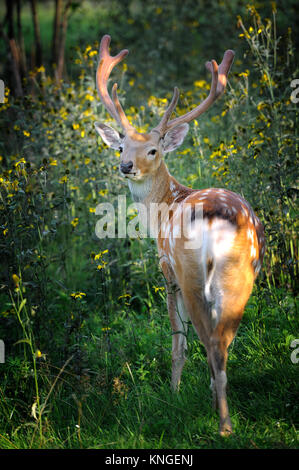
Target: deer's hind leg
[178,320]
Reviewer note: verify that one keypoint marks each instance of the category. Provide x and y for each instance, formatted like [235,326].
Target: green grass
[124,400]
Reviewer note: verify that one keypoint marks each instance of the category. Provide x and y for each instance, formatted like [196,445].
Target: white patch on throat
[140,189]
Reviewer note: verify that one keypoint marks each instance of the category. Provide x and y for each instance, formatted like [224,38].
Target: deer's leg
[218,354]
[212,382]
[178,322]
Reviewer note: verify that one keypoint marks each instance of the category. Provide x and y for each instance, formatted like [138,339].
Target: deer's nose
[126,167]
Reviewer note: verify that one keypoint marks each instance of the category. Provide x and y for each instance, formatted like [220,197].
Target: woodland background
[84,321]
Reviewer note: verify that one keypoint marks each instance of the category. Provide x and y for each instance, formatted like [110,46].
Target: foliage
[88,358]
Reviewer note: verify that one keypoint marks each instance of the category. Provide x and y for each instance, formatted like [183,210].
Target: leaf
[22,341]
[33,410]
[22,304]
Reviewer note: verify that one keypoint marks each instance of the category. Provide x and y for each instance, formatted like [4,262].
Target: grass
[125,401]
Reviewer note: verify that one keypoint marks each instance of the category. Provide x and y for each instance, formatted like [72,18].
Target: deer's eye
[152,152]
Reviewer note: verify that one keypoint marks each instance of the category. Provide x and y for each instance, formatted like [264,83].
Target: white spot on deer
[257,265]
[244,210]
[250,234]
[171,259]
[218,238]
[176,232]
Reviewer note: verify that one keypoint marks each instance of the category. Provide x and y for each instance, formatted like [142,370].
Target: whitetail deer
[210,284]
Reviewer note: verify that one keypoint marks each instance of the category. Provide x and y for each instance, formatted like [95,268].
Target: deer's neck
[158,192]
[157,188]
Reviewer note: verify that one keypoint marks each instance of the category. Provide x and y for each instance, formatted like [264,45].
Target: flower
[89,97]
[157,289]
[77,295]
[75,222]
[63,179]
[16,280]
[123,296]
[101,266]
[99,255]
[20,161]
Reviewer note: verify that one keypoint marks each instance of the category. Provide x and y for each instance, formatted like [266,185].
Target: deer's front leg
[179,333]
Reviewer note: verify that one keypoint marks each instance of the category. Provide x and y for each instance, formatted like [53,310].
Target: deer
[207,285]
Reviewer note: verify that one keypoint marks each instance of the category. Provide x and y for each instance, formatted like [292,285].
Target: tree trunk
[56,24]
[13,47]
[38,44]
[16,66]
[21,40]
[63,28]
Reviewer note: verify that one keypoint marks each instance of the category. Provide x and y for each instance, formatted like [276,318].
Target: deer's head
[142,153]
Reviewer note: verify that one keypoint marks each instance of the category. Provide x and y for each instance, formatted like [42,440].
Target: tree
[38,44]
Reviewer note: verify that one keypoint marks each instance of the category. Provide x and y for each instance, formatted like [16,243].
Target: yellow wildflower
[75,222]
[20,161]
[99,255]
[16,280]
[63,179]
[123,296]
[89,97]
[78,295]
[157,289]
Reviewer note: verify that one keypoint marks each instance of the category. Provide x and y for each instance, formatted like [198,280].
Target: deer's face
[141,154]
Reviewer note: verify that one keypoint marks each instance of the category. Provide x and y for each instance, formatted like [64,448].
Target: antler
[219,81]
[105,67]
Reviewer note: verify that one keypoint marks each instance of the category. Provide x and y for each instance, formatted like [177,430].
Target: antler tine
[123,118]
[105,66]
[219,81]
[163,123]
[223,71]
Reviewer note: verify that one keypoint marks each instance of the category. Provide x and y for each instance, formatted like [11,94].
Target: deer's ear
[109,135]
[174,138]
